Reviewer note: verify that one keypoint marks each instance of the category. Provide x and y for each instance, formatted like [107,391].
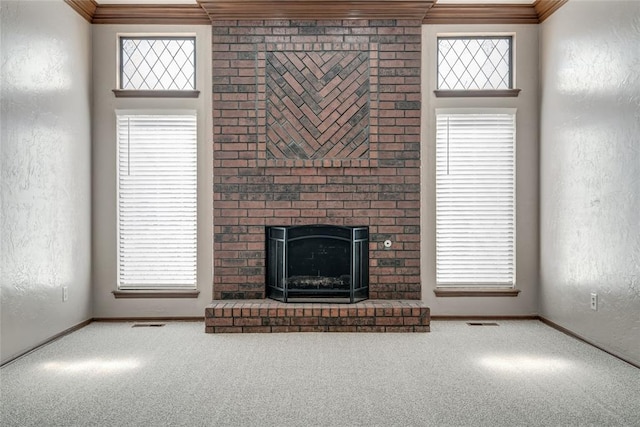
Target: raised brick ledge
[265,315]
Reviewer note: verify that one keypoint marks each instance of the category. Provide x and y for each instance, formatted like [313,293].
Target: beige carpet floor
[520,373]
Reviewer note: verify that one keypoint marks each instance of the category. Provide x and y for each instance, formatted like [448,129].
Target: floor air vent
[148,325]
[482,324]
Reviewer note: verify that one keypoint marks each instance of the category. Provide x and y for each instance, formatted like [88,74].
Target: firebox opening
[318,262]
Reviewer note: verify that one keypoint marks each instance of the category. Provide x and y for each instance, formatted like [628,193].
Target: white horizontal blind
[475,199]
[157,194]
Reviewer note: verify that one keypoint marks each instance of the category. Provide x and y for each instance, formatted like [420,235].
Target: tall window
[478,62]
[475,198]
[157,186]
[158,63]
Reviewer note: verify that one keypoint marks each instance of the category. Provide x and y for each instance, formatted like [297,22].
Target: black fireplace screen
[312,262]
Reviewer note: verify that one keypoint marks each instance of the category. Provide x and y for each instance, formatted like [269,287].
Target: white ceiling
[486,1]
[194,1]
[146,1]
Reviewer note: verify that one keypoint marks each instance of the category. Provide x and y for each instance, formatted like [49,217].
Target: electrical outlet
[65,293]
[594,301]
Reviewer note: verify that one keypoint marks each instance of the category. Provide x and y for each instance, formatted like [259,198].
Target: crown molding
[315,9]
[481,14]
[206,11]
[150,14]
[544,8]
[85,8]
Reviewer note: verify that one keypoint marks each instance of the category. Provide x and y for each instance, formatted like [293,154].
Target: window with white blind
[475,198]
[157,198]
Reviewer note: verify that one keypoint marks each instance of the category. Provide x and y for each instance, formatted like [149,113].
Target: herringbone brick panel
[317,104]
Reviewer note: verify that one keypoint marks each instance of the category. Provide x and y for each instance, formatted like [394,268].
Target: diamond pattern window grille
[467,63]
[152,63]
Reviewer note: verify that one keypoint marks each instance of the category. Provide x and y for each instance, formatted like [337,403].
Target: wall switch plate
[65,293]
[594,301]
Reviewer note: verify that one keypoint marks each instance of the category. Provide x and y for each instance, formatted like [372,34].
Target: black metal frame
[277,264]
[510,38]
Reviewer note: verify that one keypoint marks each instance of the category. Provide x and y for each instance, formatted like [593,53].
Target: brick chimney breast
[316,122]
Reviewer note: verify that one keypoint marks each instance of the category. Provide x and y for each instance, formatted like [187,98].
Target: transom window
[471,63]
[158,63]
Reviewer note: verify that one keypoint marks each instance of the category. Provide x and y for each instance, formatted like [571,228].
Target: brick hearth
[274,316]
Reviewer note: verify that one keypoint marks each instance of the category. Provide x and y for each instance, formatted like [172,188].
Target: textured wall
[372,181]
[526,79]
[590,176]
[46,179]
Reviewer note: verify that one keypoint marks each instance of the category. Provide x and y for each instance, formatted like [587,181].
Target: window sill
[478,93]
[157,294]
[476,292]
[127,93]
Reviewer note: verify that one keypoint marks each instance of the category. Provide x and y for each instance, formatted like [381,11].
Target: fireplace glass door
[318,262]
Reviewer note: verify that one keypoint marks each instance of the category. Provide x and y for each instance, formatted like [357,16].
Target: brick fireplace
[316,122]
